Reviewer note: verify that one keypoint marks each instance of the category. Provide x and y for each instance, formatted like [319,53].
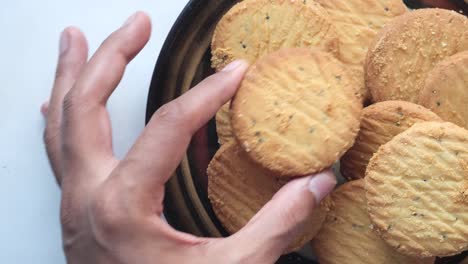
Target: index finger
[163,143]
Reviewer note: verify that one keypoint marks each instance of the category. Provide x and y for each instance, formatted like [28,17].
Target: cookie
[446,89]
[223,124]
[295,112]
[417,190]
[254,28]
[346,235]
[408,48]
[238,188]
[357,23]
[380,122]
[357,73]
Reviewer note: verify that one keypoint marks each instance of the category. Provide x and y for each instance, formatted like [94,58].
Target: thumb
[283,218]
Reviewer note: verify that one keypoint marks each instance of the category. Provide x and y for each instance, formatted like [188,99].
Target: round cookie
[238,188]
[295,112]
[357,23]
[254,28]
[223,124]
[446,89]
[380,122]
[346,235]
[408,47]
[417,190]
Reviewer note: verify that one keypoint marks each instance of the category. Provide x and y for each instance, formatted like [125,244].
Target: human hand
[111,209]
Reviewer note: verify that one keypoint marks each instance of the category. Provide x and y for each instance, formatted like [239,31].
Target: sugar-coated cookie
[409,47]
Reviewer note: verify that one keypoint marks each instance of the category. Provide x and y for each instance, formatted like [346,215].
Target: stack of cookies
[300,109]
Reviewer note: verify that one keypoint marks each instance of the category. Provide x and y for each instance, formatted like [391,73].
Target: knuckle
[109,40]
[106,215]
[52,146]
[111,44]
[51,134]
[68,217]
[170,112]
[67,69]
[294,214]
[71,101]
[68,102]
[62,70]
[173,112]
[103,211]
[218,78]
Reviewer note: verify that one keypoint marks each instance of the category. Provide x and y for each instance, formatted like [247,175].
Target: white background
[29,197]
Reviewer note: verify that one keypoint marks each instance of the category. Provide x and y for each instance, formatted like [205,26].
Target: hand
[111,209]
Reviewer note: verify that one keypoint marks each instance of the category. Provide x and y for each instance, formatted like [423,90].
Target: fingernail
[233,65]
[130,19]
[322,184]
[64,41]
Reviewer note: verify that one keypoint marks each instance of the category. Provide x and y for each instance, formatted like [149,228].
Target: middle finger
[72,58]
[87,131]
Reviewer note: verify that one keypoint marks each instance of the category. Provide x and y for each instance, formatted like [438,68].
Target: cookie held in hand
[296,112]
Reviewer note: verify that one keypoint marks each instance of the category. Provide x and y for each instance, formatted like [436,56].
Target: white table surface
[29,197]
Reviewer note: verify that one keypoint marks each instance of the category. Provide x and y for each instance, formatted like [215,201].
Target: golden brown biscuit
[223,124]
[446,89]
[357,23]
[380,122]
[346,235]
[417,190]
[357,73]
[295,112]
[238,188]
[253,28]
[408,47]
